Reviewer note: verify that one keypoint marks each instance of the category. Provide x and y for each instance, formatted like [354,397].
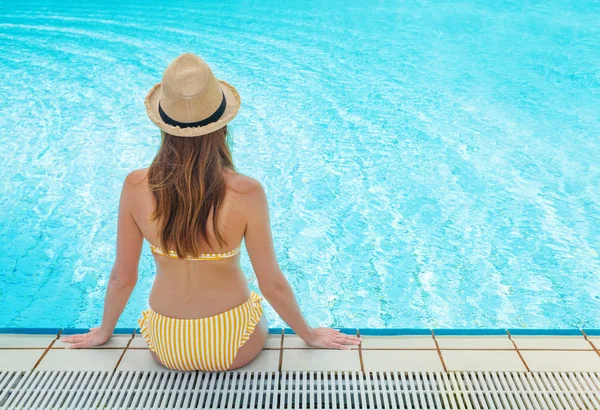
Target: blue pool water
[427,163]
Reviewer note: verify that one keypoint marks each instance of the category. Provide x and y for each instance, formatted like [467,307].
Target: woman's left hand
[95,337]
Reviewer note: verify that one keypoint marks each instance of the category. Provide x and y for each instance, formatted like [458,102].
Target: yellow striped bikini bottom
[208,344]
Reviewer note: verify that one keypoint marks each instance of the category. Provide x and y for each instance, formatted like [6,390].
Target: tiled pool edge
[445,350]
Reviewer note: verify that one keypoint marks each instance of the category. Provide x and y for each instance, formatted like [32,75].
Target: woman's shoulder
[241,184]
[136,180]
[246,193]
[137,176]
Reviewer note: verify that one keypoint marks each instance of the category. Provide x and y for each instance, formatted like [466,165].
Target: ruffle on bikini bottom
[255,315]
[143,322]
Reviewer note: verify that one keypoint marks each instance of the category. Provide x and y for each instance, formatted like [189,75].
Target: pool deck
[439,351]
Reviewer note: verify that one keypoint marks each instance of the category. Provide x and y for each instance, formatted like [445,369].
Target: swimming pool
[428,164]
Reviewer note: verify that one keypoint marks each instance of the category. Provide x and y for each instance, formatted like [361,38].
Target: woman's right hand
[328,338]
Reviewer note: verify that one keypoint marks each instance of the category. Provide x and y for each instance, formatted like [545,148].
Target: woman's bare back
[196,289]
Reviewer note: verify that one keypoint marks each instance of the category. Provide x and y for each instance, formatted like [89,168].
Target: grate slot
[141,395]
[9,382]
[590,384]
[55,382]
[21,392]
[484,400]
[574,400]
[232,390]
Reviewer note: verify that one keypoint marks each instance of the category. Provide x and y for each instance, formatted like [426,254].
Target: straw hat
[190,101]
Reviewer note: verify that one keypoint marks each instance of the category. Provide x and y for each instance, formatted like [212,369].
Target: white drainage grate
[298,390]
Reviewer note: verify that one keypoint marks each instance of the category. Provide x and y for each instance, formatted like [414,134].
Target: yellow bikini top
[202,256]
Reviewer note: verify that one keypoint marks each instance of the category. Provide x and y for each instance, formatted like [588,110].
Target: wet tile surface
[556,360]
[480,360]
[321,359]
[401,360]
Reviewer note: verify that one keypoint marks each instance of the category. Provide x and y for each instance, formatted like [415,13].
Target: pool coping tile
[273,342]
[562,360]
[594,340]
[551,343]
[266,361]
[26,341]
[80,359]
[291,341]
[138,342]
[402,360]
[402,342]
[488,342]
[320,360]
[117,341]
[20,360]
[483,360]
[573,349]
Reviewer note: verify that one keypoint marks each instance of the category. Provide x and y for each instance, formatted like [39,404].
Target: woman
[194,210]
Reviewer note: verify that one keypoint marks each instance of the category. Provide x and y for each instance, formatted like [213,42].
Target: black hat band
[213,118]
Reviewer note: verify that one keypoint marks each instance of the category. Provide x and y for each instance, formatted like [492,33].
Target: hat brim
[233,106]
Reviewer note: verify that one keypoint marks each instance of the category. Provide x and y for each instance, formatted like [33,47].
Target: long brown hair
[187,182]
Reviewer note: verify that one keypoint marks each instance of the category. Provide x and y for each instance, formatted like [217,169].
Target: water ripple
[427,163]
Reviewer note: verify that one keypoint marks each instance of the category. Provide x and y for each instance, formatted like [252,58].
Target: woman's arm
[124,273]
[271,281]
